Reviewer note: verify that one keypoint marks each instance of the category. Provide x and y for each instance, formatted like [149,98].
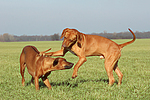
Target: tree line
[124,35]
[6,37]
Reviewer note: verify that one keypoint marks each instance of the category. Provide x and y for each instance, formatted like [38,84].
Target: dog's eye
[55,62]
[70,40]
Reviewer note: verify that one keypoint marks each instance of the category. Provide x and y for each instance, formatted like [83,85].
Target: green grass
[92,80]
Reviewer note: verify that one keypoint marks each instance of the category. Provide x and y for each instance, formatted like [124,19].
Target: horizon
[104,32]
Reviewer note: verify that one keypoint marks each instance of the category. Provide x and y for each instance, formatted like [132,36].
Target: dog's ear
[55,62]
[63,33]
[79,39]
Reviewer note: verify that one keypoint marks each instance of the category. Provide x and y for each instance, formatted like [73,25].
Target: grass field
[92,80]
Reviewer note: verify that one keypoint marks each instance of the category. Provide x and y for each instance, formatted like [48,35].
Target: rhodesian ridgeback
[83,45]
[40,66]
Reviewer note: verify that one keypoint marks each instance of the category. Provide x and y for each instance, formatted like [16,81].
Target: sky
[46,17]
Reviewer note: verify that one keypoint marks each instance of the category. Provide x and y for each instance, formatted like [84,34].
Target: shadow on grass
[71,83]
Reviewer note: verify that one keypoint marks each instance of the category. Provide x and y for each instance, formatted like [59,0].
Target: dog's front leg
[57,53]
[60,52]
[36,79]
[46,82]
[76,67]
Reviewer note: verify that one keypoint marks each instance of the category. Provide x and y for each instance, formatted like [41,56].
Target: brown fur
[83,45]
[40,66]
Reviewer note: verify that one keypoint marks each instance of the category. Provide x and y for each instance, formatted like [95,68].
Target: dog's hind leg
[110,63]
[118,72]
[22,68]
[109,70]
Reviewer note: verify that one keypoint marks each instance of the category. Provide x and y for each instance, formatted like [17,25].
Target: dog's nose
[69,66]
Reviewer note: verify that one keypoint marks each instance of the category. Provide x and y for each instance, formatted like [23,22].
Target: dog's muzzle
[69,66]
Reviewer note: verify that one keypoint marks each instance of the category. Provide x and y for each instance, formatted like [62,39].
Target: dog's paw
[41,54]
[74,76]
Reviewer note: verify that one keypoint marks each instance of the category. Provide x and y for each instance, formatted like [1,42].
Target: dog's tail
[45,51]
[127,43]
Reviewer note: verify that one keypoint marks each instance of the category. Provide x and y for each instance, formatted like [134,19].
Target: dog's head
[61,63]
[71,36]
[51,64]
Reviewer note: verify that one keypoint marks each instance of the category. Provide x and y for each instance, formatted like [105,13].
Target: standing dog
[83,45]
[40,66]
